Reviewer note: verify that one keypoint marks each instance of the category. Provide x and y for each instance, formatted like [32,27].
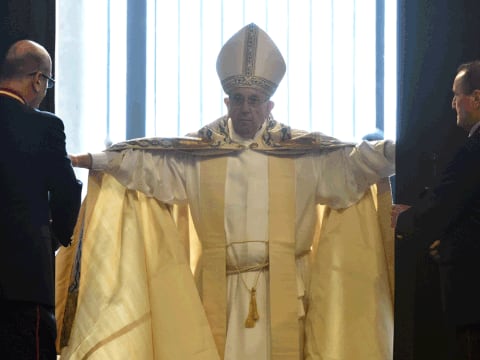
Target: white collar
[473,129]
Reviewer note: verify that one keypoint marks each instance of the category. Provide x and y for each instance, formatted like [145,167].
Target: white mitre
[250,58]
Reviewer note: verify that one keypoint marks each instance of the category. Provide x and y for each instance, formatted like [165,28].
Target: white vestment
[336,178]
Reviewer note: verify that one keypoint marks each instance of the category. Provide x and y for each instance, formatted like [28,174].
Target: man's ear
[37,82]
[476,95]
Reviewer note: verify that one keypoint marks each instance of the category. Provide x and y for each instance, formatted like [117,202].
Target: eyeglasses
[238,100]
[50,81]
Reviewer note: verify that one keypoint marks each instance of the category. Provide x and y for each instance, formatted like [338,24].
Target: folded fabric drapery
[136,298]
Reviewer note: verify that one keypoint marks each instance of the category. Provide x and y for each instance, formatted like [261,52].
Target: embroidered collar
[216,138]
[218,133]
[275,136]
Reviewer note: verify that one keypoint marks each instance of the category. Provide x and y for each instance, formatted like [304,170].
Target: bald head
[24,57]
[22,70]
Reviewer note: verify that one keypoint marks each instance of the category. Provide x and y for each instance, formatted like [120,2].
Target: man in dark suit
[446,221]
[40,199]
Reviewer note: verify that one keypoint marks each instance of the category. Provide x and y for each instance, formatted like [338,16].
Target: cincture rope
[253,316]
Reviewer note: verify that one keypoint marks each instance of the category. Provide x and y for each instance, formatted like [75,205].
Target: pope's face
[248,108]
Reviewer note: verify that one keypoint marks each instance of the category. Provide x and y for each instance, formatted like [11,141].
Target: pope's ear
[271,105]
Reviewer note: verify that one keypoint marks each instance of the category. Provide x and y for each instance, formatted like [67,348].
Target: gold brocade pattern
[258,64]
[214,139]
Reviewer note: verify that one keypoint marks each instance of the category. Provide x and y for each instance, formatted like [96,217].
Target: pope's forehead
[247,91]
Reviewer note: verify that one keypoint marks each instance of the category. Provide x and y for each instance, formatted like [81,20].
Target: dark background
[29,19]
[434,38]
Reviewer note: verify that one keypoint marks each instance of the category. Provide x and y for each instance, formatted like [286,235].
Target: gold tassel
[252,311]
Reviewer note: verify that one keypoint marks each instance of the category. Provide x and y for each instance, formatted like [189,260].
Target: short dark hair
[471,79]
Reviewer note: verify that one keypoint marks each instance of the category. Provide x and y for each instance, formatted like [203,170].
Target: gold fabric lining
[350,302]
[283,285]
[137,298]
[212,237]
